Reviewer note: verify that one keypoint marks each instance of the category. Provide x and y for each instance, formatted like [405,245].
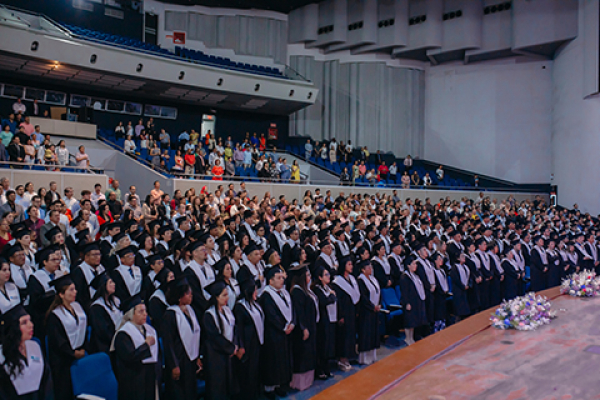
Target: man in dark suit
[16,152]
[54,221]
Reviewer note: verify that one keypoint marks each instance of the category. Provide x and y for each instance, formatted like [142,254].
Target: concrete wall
[40,179]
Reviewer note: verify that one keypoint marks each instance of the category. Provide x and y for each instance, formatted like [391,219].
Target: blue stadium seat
[93,375]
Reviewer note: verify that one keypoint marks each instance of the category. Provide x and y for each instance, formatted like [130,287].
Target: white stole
[159,294]
[228,321]
[351,288]
[190,337]
[134,284]
[258,317]
[30,378]
[75,331]
[464,272]
[542,253]
[205,275]
[441,275]
[384,263]
[373,287]
[88,273]
[15,274]
[331,308]
[399,261]
[285,307]
[116,315]
[428,270]
[14,298]
[138,340]
[44,279]
[418,284]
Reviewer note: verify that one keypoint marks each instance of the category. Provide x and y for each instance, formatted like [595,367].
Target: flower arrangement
[524,313]
[581,284]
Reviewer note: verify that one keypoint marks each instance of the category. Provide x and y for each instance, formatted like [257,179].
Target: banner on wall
[178,37]
[273,133]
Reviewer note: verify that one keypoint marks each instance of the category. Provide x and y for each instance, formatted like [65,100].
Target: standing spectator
[408,163]
[83,160]
[183,138]
[29,152]
[129,130]
[194,136]
[114,188]
[362,169]
[285,171]
[69,199]
[62,154]
[378,158]
[238,156]
[349,150]
[217,171]
[263,142]
[97,196]
[415,179]
[476,180]
[254,140]
[155,154]
[323,152]
[179,163]
[247,159]
[393,172]
[190,162]
[383,171]
[12,207]
[19,108]
[405,180]
[165,139]
[210,141]
[345,177]
[6,135]
[440,174]
[139,128]
[129,146]
[229,168]
[200,166]
[295,172]
[36,108]
[228,152]
[332,151]
[16,152]
[308,149]
[120,130]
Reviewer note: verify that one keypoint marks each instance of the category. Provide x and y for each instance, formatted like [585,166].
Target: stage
[471,360]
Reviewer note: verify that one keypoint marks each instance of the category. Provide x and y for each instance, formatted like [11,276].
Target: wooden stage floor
[471,360]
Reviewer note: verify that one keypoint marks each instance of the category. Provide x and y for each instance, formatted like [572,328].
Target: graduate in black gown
[280,320]
[181,342]
[497,284]
[368,314]
[105,314]
[86,271]
[250,323]
[221,345]
[348,296]
[413,299]
[554,263]
[24,372]
[441,292]
[157,305]
[149,282]
[304,336]
[127,276]
[538,259]
[461,282]
[136,350]
[382,269]
[512,274]
[66,329]
[41,294]
[327,322]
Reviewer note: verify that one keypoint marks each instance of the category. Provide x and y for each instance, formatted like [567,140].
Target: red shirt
[383,169]
[190,159]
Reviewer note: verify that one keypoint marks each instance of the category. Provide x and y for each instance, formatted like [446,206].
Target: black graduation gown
[485,285]
[175,356]
[61,356]
[247,370]
[538,276]
[121,289]
[325,332]
[555,268]
[473,292]
[381,276]
[42,392]
[311,254]
[83,288]
[218,361]
[511,282]
[199,302]
[439,301]
[345,333]
[396,271]
[417,315]
[286,256]
[162,250]
[156,311]
[454,252]
[140,261]
[274,243]
[304,351]
[368,321]
[103,329]
[496,284]
[137,381]
[276,354]
[459,293]
[429,305]
[39,303]
[320,262]
[148,287]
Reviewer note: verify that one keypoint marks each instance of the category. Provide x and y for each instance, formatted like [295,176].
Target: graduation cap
[248,284]
[297,269]
[75,221]
[250,248]
[153,258]
[370,228]
[181,244]
[276,222]
[324,243]
[111,225]
[131,303]
[220,265]
[308,233]
[248,214]
[13,315]
[99,281]
[290,218]
[409,260]
[212,226]
[130,223]
[479,241]
[52,232]
[270,272]
[344,225]
[290,230]
[363,264]
[178,287]
[222,239]
[163,229]
[162,276]
[153,224]
[181,220]
[418,247]
[127,250]
[9,251]
[20,233]
[194,245]
[119,236]
[229,221]
[270,251]
[216,288]
[82,234]
[44,254]
[61,282]
[468,242]
[17,226]
[323,234]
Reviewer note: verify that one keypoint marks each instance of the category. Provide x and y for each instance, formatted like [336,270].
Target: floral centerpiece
[581,284]
[524,313]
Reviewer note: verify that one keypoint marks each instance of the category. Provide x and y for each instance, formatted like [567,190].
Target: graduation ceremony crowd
[257,296]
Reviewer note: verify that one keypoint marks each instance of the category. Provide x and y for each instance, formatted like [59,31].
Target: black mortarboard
[119,236]
[13,315]
[276,222]
[419,246]
[20,233]
[99,281]
[17,226]
[270,272]
[220,265]
[248,214]
[61,282]
[153,224]
[181,219]
[131,303]
[250,248]
[270,251]
[153,258]
[163,229]
[111,225]
[124,251]
[290,218]
[75,221]
[44,253]
[323,233]
[130,223]
[362,264]
[298,269]
[248,283]
[52,232]
[216,288]
[291,230]
[479,242]
[194,245]
[9,251]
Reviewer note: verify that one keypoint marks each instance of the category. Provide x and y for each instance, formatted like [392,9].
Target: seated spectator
[427,180]
[393,170]
[217,171]
[415,179]
[345,177]
[120,130]
[6,135]
[308,149]
[134,207]
[62,154]
[129,146]
[405,180]
[440,173]
[286,173]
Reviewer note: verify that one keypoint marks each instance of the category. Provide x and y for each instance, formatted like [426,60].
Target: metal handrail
[132,155]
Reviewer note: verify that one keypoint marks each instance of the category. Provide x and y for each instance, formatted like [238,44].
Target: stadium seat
[93,375]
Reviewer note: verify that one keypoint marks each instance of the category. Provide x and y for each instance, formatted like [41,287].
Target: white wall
[576,128]
[493,117]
